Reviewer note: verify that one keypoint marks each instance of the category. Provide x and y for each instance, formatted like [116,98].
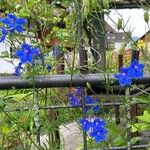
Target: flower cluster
[95,129]
[30,55]
[27,54]
[134,71]
[11,24]
[76,96]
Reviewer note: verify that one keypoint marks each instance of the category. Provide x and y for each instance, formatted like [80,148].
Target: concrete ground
[71,137]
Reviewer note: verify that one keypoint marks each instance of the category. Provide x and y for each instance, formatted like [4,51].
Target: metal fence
[13,82]
[95,80]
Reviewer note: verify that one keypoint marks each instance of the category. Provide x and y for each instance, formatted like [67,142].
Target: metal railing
[13,82]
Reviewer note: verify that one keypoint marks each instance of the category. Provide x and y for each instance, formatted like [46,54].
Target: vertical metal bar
[82,58]
[128,118]
[84,117]
[37,117]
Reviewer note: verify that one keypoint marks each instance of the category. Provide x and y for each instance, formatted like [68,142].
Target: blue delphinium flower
[91,100]
[74,101]
[99,135]
[13,23]
[134,71]
[88,100]
[3,33]
[79,91]
[86,124]
[18,69]
[98,130]
[96,108]
[27,53]
[49,67]
[123,77]
[97,124]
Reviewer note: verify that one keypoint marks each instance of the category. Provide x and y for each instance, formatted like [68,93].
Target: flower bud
[119,24]
[146,16]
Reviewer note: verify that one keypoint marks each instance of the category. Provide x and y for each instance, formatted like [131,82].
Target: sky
[134,17]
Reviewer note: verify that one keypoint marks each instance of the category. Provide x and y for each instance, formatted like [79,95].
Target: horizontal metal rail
[128,4]
[98,80]
[125,148]
[68,106]
[122,4]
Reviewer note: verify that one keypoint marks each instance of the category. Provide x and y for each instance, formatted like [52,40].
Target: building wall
[7,65]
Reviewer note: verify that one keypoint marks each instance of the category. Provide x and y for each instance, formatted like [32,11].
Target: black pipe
[95,80]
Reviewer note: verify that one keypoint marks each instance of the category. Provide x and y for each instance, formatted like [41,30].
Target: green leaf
[135,127]
[24,12]
[119,24]
[142,99]
[135,139]
[145,117]
[4,54]
[5,129]
[2,103]
[106,4]
[140,127]
[146,16]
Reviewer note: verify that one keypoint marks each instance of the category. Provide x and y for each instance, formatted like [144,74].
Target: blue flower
[136,69]
[96,108]
[79,91]
[95,129]
[74,101]
[49,67]
[98,130]
[18,69]
[89,100]
[27,53]
[3,34]
[98,124]
[124,77]
[86,124]
[99,135]
[14,23]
